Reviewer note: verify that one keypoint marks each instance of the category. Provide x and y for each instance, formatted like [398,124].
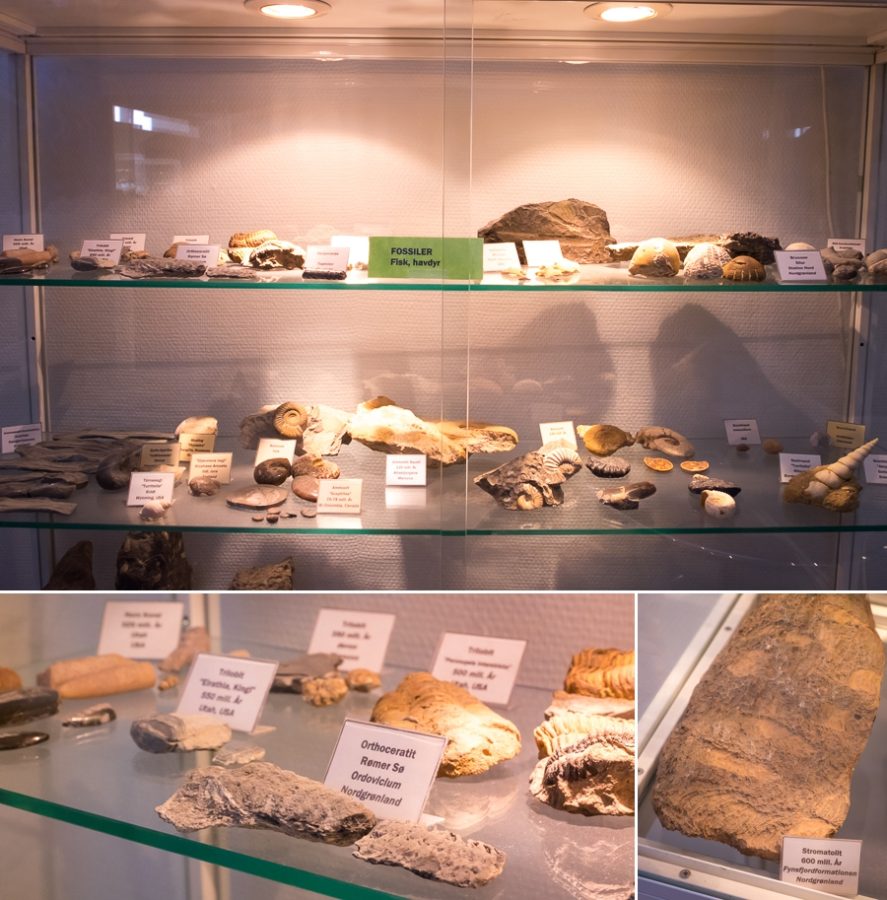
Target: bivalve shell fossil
[705,262]
[655,258]
[744,268]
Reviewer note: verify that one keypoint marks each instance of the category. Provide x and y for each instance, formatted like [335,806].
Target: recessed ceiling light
[303,9]
[627,12]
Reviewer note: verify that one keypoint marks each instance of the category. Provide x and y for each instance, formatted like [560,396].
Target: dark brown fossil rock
[153,561]
[73,572]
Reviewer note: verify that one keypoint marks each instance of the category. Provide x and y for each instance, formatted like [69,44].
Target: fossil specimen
[767,744]
[15,262]
[658,464]
[748,243]
[261,795]
[251,238]
[291,675]
[168,683]
[608,467]
[323,432]
[876,262]
[46,487]
[15,740]
[560,458]
[699,483]
[695,465]
[153,561]
[10,680]
[192,641]
[718,504]
[155,509]
[431,853]
[231,270]
[161,267]
[705,261]
[842,265]
[524,483]
[581,228]
[325,274]
[279,576]
[306,487]
[594,775]
[665,440]
[115,470]
[290,419]
[259,497]
[363,680]
[557,271]
[744,268]
[558,732]
[272,471]
[198,425]
[655,258]
[832,486]
[204,486]
[36,504]
[315,466]
[100,714]
[74,570]
[277,254]
[477,737]
[604,440]
[598,672]
[171,733]
[234,755]
[324,691]
[97,676]
[626,496]
[772,446]
[564,702]
[28,704]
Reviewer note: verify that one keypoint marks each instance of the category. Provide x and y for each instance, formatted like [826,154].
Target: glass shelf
[441,508]
[98,778]
[612,277]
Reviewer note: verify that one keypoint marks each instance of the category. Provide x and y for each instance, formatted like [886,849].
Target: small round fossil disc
[658,464]
[260,496]
[695,465]
[306,487]
[309,512]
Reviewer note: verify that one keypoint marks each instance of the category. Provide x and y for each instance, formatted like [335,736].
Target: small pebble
[272,518]
[772,446]
[258,518]
[306,487]
[742,448]
[309,513]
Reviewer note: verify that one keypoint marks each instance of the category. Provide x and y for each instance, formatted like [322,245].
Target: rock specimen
[198,425]
[581,228]
[526,482]
[744,268]
[705,262]
[770,737]
[876,262]
[73,572]
[315,466]
[261,795]
[28,704]
[748,243]
[16,262]
[36,504]
[665,440]
[100,714]
[609,467]
[382,425]
[161,267]
[431,853]
[833,486]
[324,691]
[604,440]
[477,737]
[842,265]
[322,432]
[699,483]
[626,496]
[272,471]
[655,258]
[238,755]
[594,775]
[153,561]
[601,673]
[293,673]
[279,576]
[363,680]
[772,446]
[306,487]
[97,676]
[204,486]
[16,740]
[10,680]
[169,733]
[191,642]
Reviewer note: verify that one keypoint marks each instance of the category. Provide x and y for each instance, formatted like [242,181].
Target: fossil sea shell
[272,471]
[700,483]
[198,425]
[155,509]
[876,262]
[665,440]
[316,466]
[744,268]
[565,459]
[604,440]
[655,258]
[705,261]
[800,245]
[626,496]
[204,486]
[838,473]
[290,419]
[251,238]
[718,504]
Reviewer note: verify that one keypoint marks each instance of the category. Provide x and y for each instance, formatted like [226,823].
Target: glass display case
[432,119]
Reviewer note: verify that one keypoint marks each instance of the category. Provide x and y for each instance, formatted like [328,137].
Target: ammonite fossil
[290,419]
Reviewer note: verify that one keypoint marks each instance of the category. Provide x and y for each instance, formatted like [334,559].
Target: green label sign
[437,257]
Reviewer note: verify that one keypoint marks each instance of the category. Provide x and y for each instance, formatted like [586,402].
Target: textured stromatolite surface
[477,737]
[594,775]
[431,853]
[169,733]
[261,795]
[768,742]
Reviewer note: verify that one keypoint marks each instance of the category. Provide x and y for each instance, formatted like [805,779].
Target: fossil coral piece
[431,853]
[292,674]
[609,466]
[705,261]
[655,258]
[96,676]
[699,483]
[604,440]
[832,486]
[581,228]
[279,576]
[597,672]
[363,680]
[272,471]
[74,570]
[261,795]
[524,483]
[718,504]
[477,737]
[251,238]
[290,419]
[192,641]
[171,733]
[748,243]
[770,737]
[665,440]
[324,691]
[626,496]
[744,268]
[100,714]
[25,705]
[198,425]
[594,775]
[153,561]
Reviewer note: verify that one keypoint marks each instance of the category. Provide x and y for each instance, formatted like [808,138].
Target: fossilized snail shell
[718,504]
[290,419]
[155,509]
[705,261]
[198,425]
[665,440]
[251,238]
[839,472]
[565,459]
[655,258]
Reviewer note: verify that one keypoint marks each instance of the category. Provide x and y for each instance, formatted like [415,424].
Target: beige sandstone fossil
[95,676]
[601,673]
[772,733]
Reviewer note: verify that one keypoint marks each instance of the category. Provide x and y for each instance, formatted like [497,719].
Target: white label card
[109,250]
[390,770]
[824,864]
[800,265]
[543,253]
[327,259]
[845,435]
[190,238]
[212,465]
[19,435]
[485,666]
[857,244]
[160,454]
[195,443]
[360,638]
[501,256]
[141,630]
[131,240]
[875,468]
[145,486]
[742,431]
[358,246]
[339,495]
[275,448]
[794,463]
[406,469]
[23,242]
[228,687]
[558,431]
[208,254]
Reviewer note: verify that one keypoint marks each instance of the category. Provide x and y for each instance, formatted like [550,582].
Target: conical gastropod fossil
[832,486]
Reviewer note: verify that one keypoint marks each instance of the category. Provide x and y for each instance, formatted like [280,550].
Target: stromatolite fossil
[655,258]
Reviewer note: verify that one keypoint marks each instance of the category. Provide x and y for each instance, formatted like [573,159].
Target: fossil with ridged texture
[557,457]
[277,254]
[665,440]
[608,466]
[832,486]
[525,482]
[767,744]
[744,268]
[565,702]
[272,471]
[160,267]
[96,676]
[699,483]
[279,576]
[290,419]
[316,466]
[601,672]
[749,243]
[705,262]
[251,238]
